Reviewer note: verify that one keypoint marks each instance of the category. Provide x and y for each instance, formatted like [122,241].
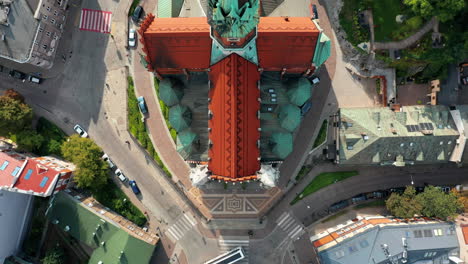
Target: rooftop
[383,240]
[416,134]
[110,242]
[20,32]
[30,175]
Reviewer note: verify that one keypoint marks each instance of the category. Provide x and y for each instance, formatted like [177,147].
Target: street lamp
[412,182]
[308,207]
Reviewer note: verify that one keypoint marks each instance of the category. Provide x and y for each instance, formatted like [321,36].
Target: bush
[137,127]
[53,137]
[132,7]
[113,198]
[322,135]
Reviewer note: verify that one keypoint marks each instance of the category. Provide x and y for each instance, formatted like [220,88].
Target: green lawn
[138,128]
[384,12]
[165,112]
[322,180]
[303,172]
[322,135]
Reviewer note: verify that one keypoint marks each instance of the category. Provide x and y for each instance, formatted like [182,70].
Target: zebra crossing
[95,20]
[181,227]
[290,225]
[228,244]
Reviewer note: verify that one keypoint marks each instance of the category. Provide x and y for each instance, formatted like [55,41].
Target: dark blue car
[134,187]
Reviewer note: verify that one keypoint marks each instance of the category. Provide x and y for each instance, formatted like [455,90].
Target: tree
[54,256]
[14,95]
[14,115]
[29,140]
[404,205]
[438,204]
[444,10]
[92,172]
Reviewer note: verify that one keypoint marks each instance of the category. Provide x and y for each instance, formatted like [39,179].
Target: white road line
[185,224]
[106,19]
[177,231]
[296,233]
[109,23]
[288,223]
[294,230]
[81,19]
[282,217]
[193,222]
[243,241]
[172,234]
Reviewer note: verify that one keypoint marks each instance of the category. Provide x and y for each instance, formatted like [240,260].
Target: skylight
[44,182]
[4,165]
[28,174]
[15,171]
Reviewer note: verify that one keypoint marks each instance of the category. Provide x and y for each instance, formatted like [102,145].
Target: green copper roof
[300,90]
[322,50]
[180,117]
[185,142]
[417,134]
[82,224]
[248,52]
[169,8]
[170,92]
[281,144]
[233,18]
[289,117]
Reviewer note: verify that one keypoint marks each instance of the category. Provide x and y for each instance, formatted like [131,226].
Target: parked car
[34,79]
[78,129]
[315,80]
[120,175]
[134,187]
[132,36]
[17,74]
[106,158]
[358,198]
[137,13]
[305,108]
[142,105]
[339,205]
[314,11]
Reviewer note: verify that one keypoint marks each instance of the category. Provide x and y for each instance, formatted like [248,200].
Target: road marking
[95,20]
[282,217]
[230,244]
[181,227]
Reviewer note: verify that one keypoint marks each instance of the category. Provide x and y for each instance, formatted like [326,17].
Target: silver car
[78,129]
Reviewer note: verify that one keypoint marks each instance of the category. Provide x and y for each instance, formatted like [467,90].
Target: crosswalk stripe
[281,219]
[172,234]
[95,20]
[296,233]
[185,224]
[190,220]
[287,223]
[294,230]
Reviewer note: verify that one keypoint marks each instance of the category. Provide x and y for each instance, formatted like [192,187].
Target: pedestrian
[126,141]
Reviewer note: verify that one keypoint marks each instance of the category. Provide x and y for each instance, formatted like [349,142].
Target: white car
[120,174]
[315,80]
[132,36]
[78,129]
[106,158]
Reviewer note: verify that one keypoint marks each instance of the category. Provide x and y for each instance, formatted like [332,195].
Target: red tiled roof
[465,234]
[234,125]
[286,43]
[177,43]
[6,178]
[39,174]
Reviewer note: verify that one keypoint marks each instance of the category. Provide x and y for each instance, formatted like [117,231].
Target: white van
[120,174]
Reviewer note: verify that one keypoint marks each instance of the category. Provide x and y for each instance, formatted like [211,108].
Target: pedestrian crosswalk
[95,20]
[290,225]
[228,244]
[181,227]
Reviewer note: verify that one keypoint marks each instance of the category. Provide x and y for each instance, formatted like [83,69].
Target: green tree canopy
[438,204]
[29,140]
[92,171]
[404,205]
[15,115]
[443,9]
